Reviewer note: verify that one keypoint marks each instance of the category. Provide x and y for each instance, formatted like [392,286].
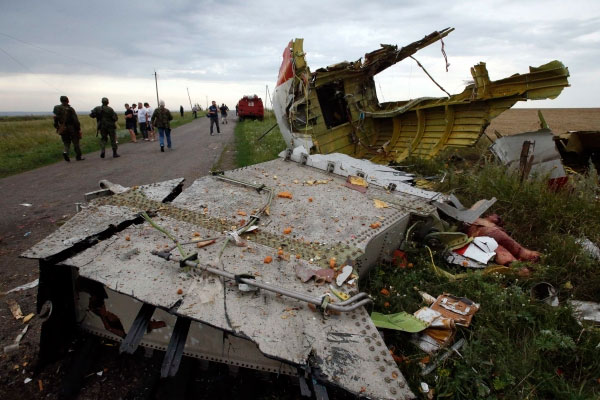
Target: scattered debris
[27,234]
[543,291]
[25,204]
[460,212]
[284,195]
[481,249]
[401,321]
[11,348]
[586,310]
[345,274]
[26,286]
[532,153]
[460,309]
[15,309]
[28,317]
[590,247]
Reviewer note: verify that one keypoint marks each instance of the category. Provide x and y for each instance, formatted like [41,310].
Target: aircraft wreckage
[256,267]
[259,267]
[336,110]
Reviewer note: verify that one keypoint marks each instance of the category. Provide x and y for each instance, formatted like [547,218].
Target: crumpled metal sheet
[345,350]
[546,158]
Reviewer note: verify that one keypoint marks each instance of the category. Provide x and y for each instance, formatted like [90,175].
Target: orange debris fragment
[287,230]
[242,213]
[310,199]
[268,259]
[375,225]
[332,262]
[284,195]
[385,292]
[179,291]
[386,304]
[127,238]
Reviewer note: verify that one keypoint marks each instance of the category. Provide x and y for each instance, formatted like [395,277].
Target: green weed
[251,151]
[30,142]
[517,348]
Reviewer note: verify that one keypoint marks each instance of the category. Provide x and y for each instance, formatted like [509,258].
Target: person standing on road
[129,122]
[149,113]
[161,119]
[68,127]
[195,112]
[142,119]
[224,110]
[181,110]
[135,118]
[106,119]
[236,109]
[213,114]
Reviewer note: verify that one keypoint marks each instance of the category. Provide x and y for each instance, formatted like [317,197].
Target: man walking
[160,119]
[213,113]
[181,110]
[106,119]
[68,127]
[224,110]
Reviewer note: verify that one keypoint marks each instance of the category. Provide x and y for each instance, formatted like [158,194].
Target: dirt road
[52,192]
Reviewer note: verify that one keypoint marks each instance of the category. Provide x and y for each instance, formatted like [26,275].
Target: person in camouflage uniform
[68,127]
[160,119]
[106,119]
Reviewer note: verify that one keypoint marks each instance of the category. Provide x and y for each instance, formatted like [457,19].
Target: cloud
[206,45]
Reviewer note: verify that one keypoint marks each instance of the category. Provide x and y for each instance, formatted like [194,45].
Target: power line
[29,70]
[48,50]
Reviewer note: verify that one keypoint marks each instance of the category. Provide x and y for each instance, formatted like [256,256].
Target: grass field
[251,151]
[30,142]
[516,347]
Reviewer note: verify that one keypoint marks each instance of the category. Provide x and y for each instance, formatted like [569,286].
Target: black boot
[79,158]
[66,157]
[102,154]
[162,148]
[115,155]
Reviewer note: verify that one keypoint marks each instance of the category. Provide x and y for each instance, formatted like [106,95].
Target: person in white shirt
[149,111]
[142,116]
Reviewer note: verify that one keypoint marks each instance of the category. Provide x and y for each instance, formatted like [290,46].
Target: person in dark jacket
[213,114]
[106,119]
[161,119]
[68,127]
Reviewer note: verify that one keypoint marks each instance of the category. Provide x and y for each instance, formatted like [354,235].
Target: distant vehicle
[250,107]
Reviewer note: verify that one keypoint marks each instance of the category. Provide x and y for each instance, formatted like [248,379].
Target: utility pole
[156,83]
[189,98]
[207,102]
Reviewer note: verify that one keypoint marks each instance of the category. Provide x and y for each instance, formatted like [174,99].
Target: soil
[53,191]
[560,120]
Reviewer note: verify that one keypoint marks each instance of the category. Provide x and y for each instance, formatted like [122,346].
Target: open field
[31,142]
[560,120]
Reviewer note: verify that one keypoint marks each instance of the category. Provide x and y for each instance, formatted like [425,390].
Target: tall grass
[29,143]
[517,348]
[251,151]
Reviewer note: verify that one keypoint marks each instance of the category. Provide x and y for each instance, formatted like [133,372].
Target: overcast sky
[223,50]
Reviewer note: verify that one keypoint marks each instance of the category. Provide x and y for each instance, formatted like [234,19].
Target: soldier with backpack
[68,127]
[106,119]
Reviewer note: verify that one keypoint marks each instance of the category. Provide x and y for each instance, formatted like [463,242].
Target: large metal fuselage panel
[319,219]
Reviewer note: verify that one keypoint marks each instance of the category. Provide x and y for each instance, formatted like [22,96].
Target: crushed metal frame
[336,110]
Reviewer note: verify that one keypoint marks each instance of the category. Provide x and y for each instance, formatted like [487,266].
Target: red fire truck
[250,107]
